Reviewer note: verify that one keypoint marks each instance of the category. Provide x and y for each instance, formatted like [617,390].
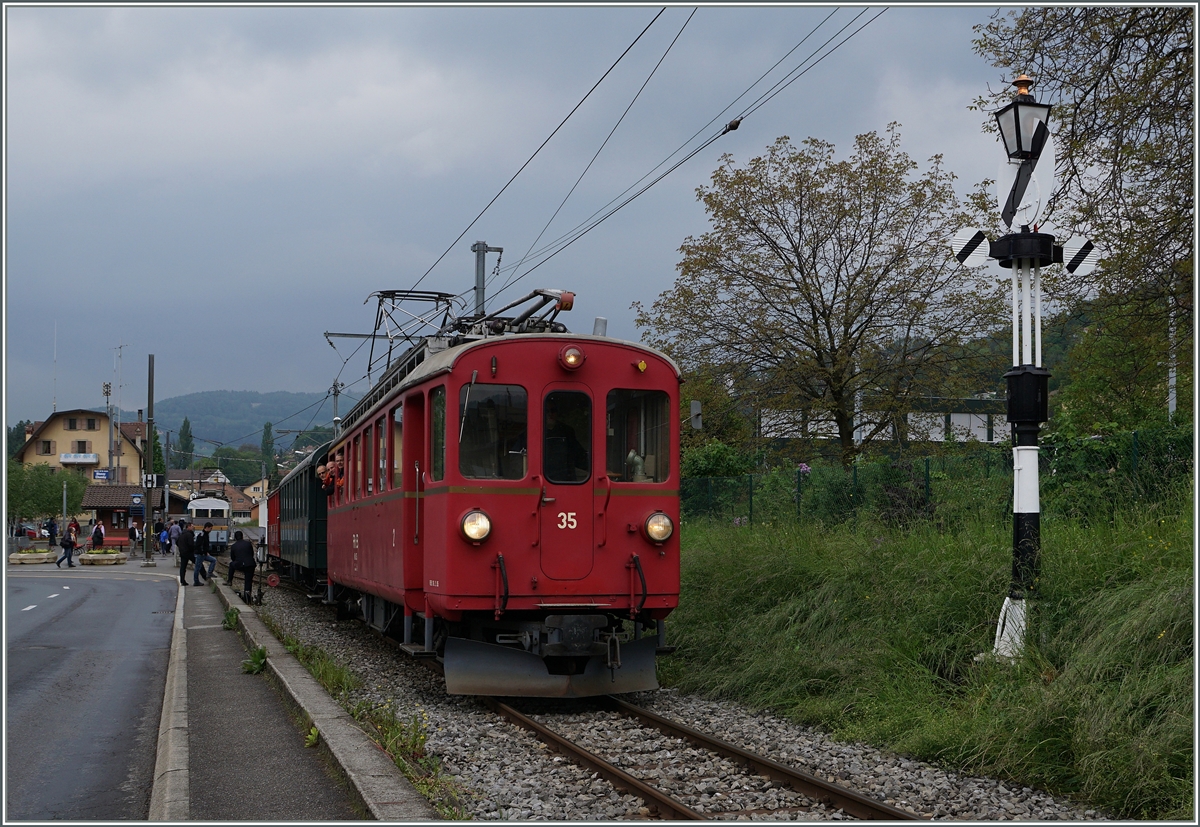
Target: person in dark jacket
[52,530]
[186,543]
[69,541]
[203,555]
[241,559]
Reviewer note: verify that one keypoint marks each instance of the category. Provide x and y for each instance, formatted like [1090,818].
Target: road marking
[53,595]
[68,588]
[27,608]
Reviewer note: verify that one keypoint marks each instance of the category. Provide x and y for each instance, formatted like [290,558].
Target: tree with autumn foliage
[825,288]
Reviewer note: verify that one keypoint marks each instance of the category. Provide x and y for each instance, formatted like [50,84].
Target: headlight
[659,527]
[571,357]
[476,526]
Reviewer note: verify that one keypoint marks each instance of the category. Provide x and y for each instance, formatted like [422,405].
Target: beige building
[257,490]
[77,441]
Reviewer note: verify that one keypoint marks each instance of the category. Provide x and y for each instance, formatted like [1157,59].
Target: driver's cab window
[567,437]
[639,437]
[491,432]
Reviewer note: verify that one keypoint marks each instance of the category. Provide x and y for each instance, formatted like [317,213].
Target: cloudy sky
[220,186]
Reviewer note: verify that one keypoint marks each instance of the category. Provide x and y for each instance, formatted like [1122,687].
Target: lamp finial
[1022,82]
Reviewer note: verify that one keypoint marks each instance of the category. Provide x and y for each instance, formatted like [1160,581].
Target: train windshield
[638,428]
[567,437]
[491,432]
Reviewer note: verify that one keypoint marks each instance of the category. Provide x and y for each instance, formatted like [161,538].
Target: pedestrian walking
[186,543]
[241,555]
[135,536]
[52,530]
[173,535]
[69,541]
[203,555]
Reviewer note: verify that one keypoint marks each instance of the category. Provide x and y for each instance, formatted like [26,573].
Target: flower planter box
[90,559]
[18,558]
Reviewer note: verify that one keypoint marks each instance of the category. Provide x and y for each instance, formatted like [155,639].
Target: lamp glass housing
[1018,121]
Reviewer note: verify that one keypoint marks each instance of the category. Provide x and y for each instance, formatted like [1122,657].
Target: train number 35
[566,519]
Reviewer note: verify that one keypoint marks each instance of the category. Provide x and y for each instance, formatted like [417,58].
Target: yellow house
[257,490]
[77,441]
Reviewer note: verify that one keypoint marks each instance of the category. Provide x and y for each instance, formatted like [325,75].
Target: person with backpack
[52,531]
[69,541]
[98,536]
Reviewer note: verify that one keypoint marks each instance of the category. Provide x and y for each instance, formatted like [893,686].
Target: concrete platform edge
[170,794]
[379,785]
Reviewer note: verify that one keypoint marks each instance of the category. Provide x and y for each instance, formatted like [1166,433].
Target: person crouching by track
[186,543]
[203,555]
[241,559]
[69,541]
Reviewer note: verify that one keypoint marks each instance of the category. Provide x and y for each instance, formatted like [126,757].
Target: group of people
[196,548]
[333,475]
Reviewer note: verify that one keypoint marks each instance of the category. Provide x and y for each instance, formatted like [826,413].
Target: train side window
[368,462]
[397,446]
[437,433]
[567,437]
[493,420]
[356,468]
[639,435]
[381,454]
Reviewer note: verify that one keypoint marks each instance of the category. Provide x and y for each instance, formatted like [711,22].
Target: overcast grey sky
[219,186]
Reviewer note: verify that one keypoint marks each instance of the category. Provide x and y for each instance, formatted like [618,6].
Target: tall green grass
[871,631]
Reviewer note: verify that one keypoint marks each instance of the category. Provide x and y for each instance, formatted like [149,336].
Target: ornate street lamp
[1019,122]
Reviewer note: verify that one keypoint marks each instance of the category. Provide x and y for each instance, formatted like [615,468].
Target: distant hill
[237,417]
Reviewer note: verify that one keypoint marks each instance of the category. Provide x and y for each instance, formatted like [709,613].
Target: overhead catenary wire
[604,143]
[539,149]
[582,229]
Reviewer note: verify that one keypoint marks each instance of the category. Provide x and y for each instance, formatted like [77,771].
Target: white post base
[1010,631]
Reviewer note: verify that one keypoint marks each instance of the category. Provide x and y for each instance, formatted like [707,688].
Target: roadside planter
[103,557]
[31,556]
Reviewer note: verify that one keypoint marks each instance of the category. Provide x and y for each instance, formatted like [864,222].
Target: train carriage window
[567,437]
[368,462]
[639,436]
[356,468]
[491,432]
[381,454]
[397,443]
[437,433]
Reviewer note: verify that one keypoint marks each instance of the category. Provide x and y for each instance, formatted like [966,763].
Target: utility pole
[108,411]
[481,249]
[148,466]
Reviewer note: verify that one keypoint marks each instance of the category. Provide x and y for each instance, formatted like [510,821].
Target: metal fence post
[1135,453]
[927,480]
[799,490]
[854,484]
[750,478]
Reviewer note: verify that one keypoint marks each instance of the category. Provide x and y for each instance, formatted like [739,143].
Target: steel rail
[668,807]
[850,802]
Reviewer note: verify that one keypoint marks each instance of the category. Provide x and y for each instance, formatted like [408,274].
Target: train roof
[421,363]
[311,461]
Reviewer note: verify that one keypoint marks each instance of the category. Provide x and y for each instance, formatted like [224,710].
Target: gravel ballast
[505,773]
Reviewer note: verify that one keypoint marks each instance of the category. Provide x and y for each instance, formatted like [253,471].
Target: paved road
[87,661]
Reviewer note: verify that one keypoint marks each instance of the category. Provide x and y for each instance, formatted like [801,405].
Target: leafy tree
[714,459]
[723,415]
[160,466]
[822,282]
[1121,79]
[268,452]
[185,446]
[16,436]
[241,465]
[35,491]
[314,437]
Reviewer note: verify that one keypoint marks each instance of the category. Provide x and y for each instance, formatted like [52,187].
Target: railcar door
[566,504]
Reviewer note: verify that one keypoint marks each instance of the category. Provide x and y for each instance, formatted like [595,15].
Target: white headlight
[476,526]
[659,527]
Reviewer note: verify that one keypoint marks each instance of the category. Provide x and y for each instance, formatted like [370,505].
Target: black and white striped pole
[1030,151]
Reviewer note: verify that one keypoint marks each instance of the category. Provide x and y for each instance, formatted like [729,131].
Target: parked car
[27,530]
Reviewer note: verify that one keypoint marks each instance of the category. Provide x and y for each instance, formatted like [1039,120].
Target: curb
[170,796]
[374,779]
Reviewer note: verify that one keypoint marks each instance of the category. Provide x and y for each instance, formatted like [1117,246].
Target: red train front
[510,504]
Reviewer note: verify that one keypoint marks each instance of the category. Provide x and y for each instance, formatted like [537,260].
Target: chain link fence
[1081,478]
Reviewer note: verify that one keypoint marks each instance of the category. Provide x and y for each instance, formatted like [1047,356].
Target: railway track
[674,796]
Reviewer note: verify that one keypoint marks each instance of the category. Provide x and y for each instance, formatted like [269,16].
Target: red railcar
[509,504]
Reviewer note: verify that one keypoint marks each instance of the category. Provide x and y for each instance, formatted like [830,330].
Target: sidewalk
[231,744]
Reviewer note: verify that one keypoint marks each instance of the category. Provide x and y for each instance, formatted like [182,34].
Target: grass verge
[402,740]
[871,633]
